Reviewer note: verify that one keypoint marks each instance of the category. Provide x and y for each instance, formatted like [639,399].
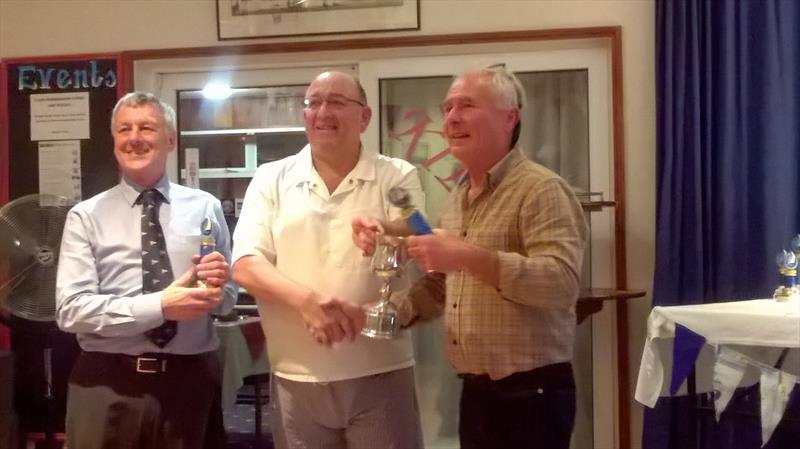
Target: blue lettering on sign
[44,76]
[40,77]
[62,79]
[26,77]
[111,78]
[81,79]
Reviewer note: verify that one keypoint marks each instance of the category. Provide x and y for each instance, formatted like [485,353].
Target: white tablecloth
[237,358]
[758,328]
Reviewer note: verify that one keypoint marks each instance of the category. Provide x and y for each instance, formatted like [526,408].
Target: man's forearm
[120,316]
[481,263]
[424,301]
[265,283]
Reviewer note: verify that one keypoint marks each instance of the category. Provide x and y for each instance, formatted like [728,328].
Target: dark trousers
[119,401]
[532,409]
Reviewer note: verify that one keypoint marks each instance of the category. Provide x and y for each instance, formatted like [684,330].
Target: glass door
[221,142]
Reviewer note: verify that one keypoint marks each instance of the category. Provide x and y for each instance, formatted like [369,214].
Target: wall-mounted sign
[55,117]
[86,75]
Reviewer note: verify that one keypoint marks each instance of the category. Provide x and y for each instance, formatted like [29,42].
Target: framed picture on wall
[246,19]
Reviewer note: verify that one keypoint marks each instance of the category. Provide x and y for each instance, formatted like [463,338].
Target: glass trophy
[787,267]
[794,245]
[387,262]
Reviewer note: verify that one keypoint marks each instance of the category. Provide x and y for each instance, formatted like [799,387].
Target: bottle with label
[208,244]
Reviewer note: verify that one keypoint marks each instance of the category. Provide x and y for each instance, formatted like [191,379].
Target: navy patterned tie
[156,269]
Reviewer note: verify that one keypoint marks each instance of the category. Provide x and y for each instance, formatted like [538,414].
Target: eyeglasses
[336,103]
[502,70]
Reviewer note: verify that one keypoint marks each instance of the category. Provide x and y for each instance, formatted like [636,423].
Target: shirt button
[455,306]
[455,342]
[463,233]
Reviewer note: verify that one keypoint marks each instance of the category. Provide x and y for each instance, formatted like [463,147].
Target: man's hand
[330,319]
[365,233]
[181,301]
[212,270]
[439,251]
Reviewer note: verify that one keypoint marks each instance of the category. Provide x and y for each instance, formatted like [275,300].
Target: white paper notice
[60,116]
[238,203]
[192,158]
[60,168]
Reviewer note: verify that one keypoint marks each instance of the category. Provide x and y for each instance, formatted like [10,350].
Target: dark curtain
[728,146]
[728,166]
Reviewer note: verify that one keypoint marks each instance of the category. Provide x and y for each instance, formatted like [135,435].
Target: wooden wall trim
[380,42]
[130,57]
[5,185]
[623,356]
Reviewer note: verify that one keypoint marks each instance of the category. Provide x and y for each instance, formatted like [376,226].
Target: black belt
[153,363]
[553,376]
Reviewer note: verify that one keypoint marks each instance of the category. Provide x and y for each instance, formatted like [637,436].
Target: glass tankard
[387,262]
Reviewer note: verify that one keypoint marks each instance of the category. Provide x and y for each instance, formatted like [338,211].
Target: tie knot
[150,196]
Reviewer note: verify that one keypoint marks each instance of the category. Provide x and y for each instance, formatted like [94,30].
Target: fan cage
[30,239]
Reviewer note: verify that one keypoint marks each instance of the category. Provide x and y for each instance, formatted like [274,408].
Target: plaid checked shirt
[534,223]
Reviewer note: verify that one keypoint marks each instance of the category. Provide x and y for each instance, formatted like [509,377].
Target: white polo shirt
[289,217]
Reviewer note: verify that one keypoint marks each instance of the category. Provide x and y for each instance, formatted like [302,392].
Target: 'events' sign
[35,77]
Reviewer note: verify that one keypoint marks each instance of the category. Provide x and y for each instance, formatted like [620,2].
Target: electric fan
[30,239]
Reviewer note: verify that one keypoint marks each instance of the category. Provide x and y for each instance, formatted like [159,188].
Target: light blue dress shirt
[99,284]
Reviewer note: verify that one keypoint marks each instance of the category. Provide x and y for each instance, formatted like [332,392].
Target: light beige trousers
[378,411]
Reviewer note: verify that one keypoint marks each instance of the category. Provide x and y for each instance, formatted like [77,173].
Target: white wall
[51,27]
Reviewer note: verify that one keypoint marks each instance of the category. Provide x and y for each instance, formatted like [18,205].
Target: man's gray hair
[362,94]
[136,99]
[507,87]
[508,91]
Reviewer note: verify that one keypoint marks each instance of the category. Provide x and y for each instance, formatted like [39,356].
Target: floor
[240,425]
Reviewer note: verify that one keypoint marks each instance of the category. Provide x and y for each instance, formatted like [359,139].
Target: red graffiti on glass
[420,121]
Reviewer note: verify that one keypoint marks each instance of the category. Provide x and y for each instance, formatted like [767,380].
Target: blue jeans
[532,409]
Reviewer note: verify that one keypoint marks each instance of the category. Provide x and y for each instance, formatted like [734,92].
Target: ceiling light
[217,91]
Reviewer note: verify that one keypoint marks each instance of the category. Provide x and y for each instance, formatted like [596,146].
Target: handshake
[330,319]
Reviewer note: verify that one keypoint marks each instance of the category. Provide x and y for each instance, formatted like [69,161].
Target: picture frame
[253,19]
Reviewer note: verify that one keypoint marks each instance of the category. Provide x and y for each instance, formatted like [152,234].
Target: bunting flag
[776,386]
[728,373]
[685,350]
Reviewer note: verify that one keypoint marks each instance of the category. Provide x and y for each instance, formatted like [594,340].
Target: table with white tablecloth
[729,344]
[242,353]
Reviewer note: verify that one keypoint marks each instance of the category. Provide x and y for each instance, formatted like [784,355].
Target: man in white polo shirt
[293,253]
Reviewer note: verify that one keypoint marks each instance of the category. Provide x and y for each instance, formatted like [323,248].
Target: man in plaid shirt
[504,268]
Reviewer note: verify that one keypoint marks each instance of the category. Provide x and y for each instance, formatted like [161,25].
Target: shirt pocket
[181,248]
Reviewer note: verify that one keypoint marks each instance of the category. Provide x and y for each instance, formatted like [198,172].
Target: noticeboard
[55,135]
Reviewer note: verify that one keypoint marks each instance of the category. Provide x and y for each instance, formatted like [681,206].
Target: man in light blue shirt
[148,373]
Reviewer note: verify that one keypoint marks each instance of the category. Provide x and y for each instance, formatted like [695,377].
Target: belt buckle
[157,369]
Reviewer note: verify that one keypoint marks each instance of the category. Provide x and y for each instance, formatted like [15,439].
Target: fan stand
[49,440]
[45,334]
